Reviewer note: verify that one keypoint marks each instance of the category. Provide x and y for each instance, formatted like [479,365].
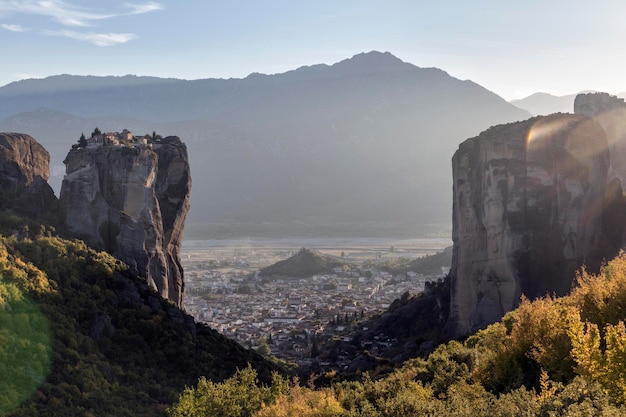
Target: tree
[82,141]
[315,350]
[263,349]
[96,132]
[241,395]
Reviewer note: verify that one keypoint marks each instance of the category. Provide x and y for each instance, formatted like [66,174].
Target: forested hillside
[81,335]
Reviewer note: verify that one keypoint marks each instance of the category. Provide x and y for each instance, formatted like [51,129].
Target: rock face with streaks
[22,159]
[24,172]
[529,208]
[132,202]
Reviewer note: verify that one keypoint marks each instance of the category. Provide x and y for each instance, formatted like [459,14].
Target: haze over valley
[366,140]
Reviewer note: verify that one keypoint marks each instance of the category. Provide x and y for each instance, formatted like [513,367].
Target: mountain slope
[368,139]
[94,339]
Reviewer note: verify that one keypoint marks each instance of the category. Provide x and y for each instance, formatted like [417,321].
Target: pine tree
[82,141]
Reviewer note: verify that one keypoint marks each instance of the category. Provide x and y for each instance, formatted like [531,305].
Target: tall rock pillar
[527,213]
[132,201]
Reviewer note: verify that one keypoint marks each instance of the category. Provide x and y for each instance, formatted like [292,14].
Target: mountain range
[368,139]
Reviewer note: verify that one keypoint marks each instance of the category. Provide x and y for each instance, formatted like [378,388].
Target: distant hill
[432,264]
[368,139]
[544,103]
[435,264]
[303,264]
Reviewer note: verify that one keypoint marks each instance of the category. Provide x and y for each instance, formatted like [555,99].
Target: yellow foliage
[24,274]
[597,333]
[585,339]
[539,328]
[601,298]
[303,402]
[615,356]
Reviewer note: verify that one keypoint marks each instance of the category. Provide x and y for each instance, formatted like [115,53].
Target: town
[286,316]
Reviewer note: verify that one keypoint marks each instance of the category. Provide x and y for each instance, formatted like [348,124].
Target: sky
[512,48]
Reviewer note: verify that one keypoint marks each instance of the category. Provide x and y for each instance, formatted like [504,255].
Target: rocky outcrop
[37,199]
[132,202]
[610,112]
[22,160]
[529,208]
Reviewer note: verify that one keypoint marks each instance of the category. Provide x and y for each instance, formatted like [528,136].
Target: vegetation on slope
[549,357]
[303,264]
[81,335]
[428,265]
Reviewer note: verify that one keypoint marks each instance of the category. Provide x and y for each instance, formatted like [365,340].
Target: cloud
[13,28]
[98,39]
[143,8]
[64,13]
[68,14]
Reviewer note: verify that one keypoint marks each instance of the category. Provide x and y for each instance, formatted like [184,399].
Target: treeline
[81,335]
[550,357]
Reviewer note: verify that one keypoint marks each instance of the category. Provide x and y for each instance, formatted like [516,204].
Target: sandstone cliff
[24,171]
[132,202]
[528,210]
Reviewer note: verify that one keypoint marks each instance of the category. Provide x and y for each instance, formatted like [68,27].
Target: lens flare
[25,347]
[544,130]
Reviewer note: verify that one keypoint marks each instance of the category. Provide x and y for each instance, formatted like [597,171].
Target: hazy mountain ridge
[544,103]
[367,139]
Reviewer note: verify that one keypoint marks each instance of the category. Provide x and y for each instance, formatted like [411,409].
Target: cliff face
[528,204]
[132,202]
[610,112]
[22,159]
[24,172]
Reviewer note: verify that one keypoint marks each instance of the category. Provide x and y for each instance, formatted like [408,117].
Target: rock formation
[132,202]
[610,112]
[529,209]
[24,171]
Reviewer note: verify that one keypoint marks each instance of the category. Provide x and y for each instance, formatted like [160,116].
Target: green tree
[82,142]
[96,132]
[263,349]
[238,396]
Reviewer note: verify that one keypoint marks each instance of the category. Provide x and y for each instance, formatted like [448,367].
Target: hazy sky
[513,48]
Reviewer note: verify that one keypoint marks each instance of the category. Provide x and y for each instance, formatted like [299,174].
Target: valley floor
[224,290]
